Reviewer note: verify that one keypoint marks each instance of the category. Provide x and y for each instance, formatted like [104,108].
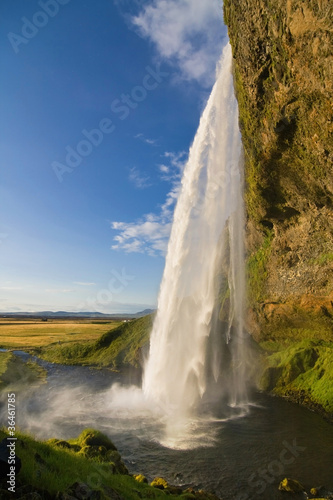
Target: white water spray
[196,345]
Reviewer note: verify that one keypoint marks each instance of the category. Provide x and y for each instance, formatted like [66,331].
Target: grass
[15,374]
[55,465]
[257,270]
[23,334]
[52,467]
[117,348]
[5,358]
[302,370]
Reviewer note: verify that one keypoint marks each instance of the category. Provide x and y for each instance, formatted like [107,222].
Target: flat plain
[31,333]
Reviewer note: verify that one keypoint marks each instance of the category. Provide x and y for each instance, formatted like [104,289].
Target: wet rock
[291,485]
[5,495]
[174,490]
[28,492]
[115,457]
[31,496]
[111,494]
[316,491]
[204,495]
[190,491]
[82,491]
[64,496]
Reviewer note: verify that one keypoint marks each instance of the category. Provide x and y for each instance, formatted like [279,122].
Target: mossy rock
[204,495]
[60,443]
[160,483]
[303,372]
[270,378]
[92,437]
[115,457]
[140,478]
[291,485]
[173,490]
[94,452]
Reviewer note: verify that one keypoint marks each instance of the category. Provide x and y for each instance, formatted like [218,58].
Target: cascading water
[197,344]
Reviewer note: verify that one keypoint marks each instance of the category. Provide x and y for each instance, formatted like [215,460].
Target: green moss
[159,482]
[298,326]
[291,485]
[52,468]
[93,437]
[304,368]
[140,478]
[257,270]
[115,349]
[16,374]
[323,259]
[5,358]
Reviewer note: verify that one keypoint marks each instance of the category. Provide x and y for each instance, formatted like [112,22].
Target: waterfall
[197,341]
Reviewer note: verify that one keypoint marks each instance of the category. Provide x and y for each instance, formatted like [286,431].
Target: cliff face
[284,77]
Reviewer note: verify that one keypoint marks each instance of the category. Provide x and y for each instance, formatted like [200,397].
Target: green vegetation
[15,373]
[303,372]
[116,349]
[86,467]
[257,270]
[323,259]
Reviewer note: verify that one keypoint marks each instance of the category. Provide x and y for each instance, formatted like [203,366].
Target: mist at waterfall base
[195,371]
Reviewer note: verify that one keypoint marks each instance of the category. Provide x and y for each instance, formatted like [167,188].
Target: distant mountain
[145,312]
[83,314]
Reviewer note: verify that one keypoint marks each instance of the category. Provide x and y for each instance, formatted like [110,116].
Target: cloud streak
[150,234]
[83,283]
[187,33]
[140,181]
[140,136]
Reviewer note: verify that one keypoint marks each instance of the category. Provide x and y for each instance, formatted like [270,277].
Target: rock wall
[283,65]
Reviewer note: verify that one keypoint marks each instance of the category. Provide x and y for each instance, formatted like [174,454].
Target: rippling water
[238,457]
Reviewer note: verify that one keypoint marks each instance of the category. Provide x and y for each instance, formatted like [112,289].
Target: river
[241,458]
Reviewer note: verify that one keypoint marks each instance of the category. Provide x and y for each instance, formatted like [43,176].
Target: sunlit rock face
[283,72]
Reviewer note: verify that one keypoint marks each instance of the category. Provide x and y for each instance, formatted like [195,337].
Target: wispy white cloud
[11,288]
[151,232]
[148,235]
[83,283]
[187,33]
[173,171]
[140,180]
[59,290]
[145,139]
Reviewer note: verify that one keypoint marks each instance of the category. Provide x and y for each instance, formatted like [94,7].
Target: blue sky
[100,102]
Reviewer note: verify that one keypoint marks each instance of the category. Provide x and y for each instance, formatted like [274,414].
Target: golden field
[31,333]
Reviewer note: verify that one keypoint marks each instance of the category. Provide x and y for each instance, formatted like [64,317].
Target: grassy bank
[118,348]
[17,374]
[86,467]
[301,372]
